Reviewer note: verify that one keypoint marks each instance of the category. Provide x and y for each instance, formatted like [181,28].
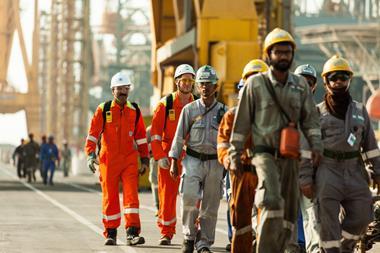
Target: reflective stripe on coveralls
[278,178]
[92,138]
[201,181]
[243,188]
[162,131]
[118,161]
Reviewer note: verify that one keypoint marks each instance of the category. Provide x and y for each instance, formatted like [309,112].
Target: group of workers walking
[30,157]
[281,152]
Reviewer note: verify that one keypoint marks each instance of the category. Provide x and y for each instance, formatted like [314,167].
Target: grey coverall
[201,185]
[277,192]
[341,179]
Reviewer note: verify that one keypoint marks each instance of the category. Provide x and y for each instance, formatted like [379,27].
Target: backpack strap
[106,108]
[138,113]
[169,105]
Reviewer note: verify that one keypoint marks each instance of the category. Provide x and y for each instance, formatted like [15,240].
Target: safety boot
[204,250]
[111,236]
[133,237]
[187,246]
[165,240]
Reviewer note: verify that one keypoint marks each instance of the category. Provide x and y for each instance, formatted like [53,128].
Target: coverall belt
[265,149]
[201,156]
[340,155]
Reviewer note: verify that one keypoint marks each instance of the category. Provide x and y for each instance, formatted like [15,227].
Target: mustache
[122,94]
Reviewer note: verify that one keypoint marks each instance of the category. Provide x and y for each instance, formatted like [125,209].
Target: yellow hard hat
[277,36]
[336,63]
[253,66]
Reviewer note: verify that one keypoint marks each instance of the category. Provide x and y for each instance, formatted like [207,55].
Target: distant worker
[153,167]
[49,158]
[19,159]
[120,127]
[164,124]
[202,176]
[272,104]
[66,159]
[40,166]
[308,206]
[244,179]
[32,152]
[348,138]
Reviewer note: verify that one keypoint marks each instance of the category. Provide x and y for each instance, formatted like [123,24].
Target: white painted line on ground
[67,210]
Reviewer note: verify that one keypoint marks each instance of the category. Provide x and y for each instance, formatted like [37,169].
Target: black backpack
[107,108]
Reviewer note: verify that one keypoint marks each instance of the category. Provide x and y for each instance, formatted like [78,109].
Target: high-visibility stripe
[306,154]
[315,131]
[223,145]
[239,137]
[112,217]
[242,230]
[92,138]
[131,210]
[372,153]
[141,141]
[167,223]
[156,137]
[274,214]
[288,225]
[349,236]
[330,244]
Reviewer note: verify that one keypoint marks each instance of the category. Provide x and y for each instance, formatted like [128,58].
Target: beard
[282,66]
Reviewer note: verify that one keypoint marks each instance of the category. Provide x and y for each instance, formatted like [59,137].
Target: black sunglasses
[343,76]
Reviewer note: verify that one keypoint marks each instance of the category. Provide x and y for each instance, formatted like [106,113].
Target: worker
[308,233]
[40,165]
[202,176]
[120,127]
[339,180]
[271,104]
[19,159]
[153,167]
[164,124]
[49,157]
[66,159]
[32,153]
[244,180]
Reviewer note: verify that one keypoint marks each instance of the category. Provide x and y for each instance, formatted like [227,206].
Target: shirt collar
[274,81]
[203,104]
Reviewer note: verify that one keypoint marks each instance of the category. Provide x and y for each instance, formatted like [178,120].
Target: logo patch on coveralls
[171,114]
[351,140]
[108,117]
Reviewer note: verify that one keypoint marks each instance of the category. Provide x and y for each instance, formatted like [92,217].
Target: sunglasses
[343,76]
[187,80]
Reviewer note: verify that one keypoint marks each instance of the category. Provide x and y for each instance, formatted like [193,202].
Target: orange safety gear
[162,132]
[277,36]
[254,66]
[243,188]
[118,161]
[336,63]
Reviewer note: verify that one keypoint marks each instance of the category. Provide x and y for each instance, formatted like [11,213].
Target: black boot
[111,236]
[187,246]
[133,237]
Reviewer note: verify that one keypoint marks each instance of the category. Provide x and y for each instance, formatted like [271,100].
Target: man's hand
[308,190]
[226,162]
[91,161]
[144,165]
[174,169]
[164,163]
[316,157]
[235,164]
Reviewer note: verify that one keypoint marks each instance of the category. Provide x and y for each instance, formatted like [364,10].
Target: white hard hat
[183,69]
[120,79]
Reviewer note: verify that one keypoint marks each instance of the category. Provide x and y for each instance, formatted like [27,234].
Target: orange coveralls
[243,185]
[118,161]
[161,141]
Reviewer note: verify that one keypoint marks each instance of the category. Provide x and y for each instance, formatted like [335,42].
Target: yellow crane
[225,34]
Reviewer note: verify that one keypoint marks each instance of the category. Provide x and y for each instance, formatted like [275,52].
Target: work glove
[91,161]
[164,163]
[144,165]
[174,169]
[308,190]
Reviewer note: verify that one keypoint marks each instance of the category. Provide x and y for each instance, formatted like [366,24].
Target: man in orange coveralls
[164,125]
[120,127]
[243,181]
